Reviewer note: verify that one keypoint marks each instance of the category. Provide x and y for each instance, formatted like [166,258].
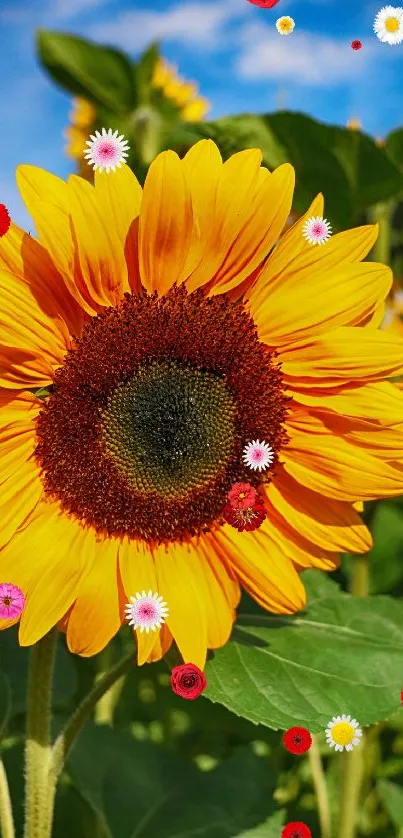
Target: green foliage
[281,671]
[100,74]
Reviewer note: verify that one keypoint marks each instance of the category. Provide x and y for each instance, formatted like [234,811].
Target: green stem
[67,737]
[320,786]
[38,813]
[352,762]
[380,214]
[6,811]
[105,707]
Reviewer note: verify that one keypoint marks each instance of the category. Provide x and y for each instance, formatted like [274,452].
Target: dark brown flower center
[144,431]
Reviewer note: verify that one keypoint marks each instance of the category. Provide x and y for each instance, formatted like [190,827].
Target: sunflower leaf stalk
[38,812]
[6,813]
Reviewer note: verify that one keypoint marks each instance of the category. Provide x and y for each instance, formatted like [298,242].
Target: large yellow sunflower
[167,340]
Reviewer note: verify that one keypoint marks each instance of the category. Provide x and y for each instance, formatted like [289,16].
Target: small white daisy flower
[316,230]
[343,732]
[388,25]
[106,151]
[285,25]
[146,611]
[258,455]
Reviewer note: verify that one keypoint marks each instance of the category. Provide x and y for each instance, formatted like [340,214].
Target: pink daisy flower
[258,455]
[106,151]
[12,601]
[146,611]
[317,230]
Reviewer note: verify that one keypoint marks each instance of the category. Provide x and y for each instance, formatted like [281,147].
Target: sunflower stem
[105,707]
[321,791]
[68,735]
[38,813]
[380,214]
[352,762]
[6,812]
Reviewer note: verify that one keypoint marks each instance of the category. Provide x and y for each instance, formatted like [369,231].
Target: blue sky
[230,47]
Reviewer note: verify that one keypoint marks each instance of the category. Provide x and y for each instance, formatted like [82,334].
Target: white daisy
[343,732]
[106,151]
[285,25]
[258,455]
[388,25]
[316,230]
[146,611]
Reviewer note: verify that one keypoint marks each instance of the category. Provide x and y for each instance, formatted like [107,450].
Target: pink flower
[12,601]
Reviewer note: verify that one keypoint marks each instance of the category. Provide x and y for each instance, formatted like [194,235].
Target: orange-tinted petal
[119,201]
[166,222]
[20,493]
[343,356]
[331,524]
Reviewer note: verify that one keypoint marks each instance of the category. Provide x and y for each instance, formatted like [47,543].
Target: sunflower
[82,120]
[147,339]
[184,94]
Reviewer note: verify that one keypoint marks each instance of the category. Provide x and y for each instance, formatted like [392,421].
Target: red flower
[245,519]
[242,495]
[401,696]
[296,829]
[356,44]
[4,220]
[264,4]
[188,680]
[297,740]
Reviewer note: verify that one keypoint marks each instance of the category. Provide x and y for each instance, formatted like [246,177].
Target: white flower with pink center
[258,455]
[106,151]
[146,611]
[317,230]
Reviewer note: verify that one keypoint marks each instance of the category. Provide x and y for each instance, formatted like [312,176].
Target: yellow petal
[119,200]
[177,582]
[24,325]
[339,469]
[320,301]
[25,257]
[138,574]
[299,550]
[166,221]
[269,211]
[330,524]
[380,401]
[36,184]
[345,355]
[95,615]
[163,642]
[98,248]
[262,569]
[20,494]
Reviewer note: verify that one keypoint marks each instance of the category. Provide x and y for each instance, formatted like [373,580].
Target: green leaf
[342,655]
[102,75]
[392,798]
[148,791]
[143,71]
[14,661]
[394,147]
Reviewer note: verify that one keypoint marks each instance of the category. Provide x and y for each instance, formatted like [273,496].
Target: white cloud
[195,23]
[301,58]
[66,9]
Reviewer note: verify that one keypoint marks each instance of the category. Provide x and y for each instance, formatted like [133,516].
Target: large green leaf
[101,74]
[147,791]
[394,147]
[342,655]
[386,557]
[144,70]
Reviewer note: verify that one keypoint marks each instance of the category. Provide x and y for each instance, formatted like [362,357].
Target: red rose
[188,680]
[264,4]
[356,44]
[297,740]
[296,829]
[4,220]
